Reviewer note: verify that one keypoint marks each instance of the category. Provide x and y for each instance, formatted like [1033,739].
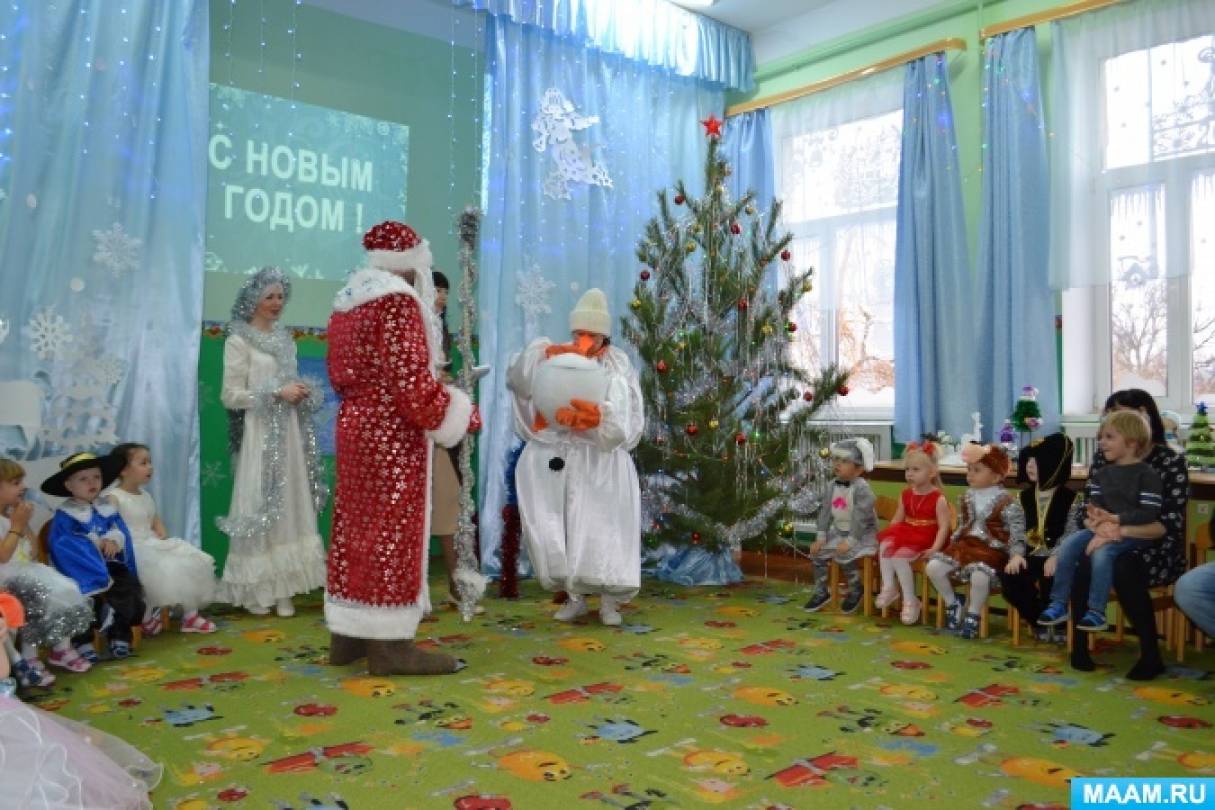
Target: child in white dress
[173,572]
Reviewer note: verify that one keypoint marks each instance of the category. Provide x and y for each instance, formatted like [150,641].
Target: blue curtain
[657,33]
[746,144]
[579,143]
[102,191]
[1016,346]
[933,319]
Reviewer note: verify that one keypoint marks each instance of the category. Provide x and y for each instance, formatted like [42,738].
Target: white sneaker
[911,612]
[886,598]
[608,614]
[257,610]
[284,607]
[575,607]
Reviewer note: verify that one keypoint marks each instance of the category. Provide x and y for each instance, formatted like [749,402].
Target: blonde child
[1124,492]
[172,571]
[54,608]
[920,526]
[990,538]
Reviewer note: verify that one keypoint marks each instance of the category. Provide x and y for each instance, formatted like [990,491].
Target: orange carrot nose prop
[585,343]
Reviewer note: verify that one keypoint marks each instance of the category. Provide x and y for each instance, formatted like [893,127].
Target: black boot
[402,657]
[346,650]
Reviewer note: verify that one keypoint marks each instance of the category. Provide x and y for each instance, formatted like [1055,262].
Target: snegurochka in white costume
[579,501]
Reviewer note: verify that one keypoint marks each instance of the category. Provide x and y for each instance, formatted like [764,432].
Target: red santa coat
[382,358]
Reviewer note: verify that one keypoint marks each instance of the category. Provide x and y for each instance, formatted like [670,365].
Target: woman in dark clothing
[1044,467]
[1139,571]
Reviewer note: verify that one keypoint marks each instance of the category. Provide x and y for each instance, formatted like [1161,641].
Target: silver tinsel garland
[43,628]
[470,582]
[253,531]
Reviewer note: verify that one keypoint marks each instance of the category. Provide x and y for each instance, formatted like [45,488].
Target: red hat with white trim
[396,246]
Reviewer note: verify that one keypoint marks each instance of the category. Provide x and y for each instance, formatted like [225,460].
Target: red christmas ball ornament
[695,538]
[843,390]
[786,255]
[808,396]
[791,327]
[645,275]
[691,429]
[735,228]
[661,366]
[743,304]
[740,438]
[679,199]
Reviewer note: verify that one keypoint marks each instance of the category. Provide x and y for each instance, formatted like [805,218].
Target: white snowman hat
[591,314]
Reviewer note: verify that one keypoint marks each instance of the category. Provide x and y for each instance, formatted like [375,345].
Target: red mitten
[582,415]
[11,611]
[474,424]
[561,348]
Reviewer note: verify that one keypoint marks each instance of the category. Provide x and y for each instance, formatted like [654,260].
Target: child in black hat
[89,542]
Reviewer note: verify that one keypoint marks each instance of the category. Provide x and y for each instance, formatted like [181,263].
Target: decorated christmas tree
[729,439]
[1199,447]
[1026,415]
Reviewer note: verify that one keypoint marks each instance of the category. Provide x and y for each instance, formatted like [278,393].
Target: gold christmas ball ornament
[690,247]
[807,285]
[681,345]
[824,452]
[695,227]
[713,423]
[635,303]
[750,209]
[787,528]
[767,329]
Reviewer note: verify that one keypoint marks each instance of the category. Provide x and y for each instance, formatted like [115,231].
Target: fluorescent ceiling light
[695,3]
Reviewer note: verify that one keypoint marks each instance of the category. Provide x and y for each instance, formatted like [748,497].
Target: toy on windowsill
[1172,430]
[1026,415]
[1199,447]
[1008,437]
[952,453]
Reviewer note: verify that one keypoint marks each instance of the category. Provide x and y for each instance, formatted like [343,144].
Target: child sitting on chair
[847,525]
[990,538]
[1124,492]
[89,543]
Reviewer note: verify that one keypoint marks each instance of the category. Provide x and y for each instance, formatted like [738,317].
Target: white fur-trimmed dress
[172,571]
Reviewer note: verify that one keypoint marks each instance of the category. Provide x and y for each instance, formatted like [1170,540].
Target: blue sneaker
[28,675]
[89,654]
[1055,613]
[953,617]
[970,626]
[119,649]
[1093,622]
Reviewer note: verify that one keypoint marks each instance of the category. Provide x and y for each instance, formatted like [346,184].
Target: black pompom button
[556,464]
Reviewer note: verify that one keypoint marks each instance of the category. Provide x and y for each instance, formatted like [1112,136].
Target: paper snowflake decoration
[109,370]
[117,250]
[213,263]
[48,333]
[212,473]
[555,126]
[533,292]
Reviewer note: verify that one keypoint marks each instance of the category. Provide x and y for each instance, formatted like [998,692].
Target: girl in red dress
[920,524]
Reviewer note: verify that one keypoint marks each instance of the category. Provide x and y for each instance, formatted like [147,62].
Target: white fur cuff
[455,421]
[380,623]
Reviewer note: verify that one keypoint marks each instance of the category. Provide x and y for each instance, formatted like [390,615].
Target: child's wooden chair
[1196,555]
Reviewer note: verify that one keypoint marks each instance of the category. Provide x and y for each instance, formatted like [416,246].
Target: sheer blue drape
[746,145]
[652,32]
[934,322]
[579,143]
[102,194]
[1016,346]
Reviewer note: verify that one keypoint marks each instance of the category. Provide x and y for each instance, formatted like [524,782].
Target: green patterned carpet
[731,697]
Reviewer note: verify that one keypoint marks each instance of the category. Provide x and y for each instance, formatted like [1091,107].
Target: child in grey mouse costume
[847,525]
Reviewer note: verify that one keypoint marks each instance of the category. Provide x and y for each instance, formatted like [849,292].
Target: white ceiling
[754,15]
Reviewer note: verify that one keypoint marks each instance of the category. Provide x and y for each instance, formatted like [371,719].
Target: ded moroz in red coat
[382,359]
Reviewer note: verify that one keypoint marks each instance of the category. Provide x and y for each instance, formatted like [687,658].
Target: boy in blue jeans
[1126,492]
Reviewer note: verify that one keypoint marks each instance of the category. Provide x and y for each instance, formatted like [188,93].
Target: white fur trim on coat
[374,622]
[368,284]
[416,258]
[455,421]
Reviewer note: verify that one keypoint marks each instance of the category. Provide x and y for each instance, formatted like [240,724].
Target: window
[840,187]
[1154,325]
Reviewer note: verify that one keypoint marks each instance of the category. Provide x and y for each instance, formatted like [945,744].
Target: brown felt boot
[346,650]
[402,657]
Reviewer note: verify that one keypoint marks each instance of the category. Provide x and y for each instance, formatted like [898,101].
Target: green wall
[356,66]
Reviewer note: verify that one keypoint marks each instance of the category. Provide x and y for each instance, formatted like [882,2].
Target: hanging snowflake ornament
[555,126]
[48,333]
[212,473]
[533,293]
[117,250]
